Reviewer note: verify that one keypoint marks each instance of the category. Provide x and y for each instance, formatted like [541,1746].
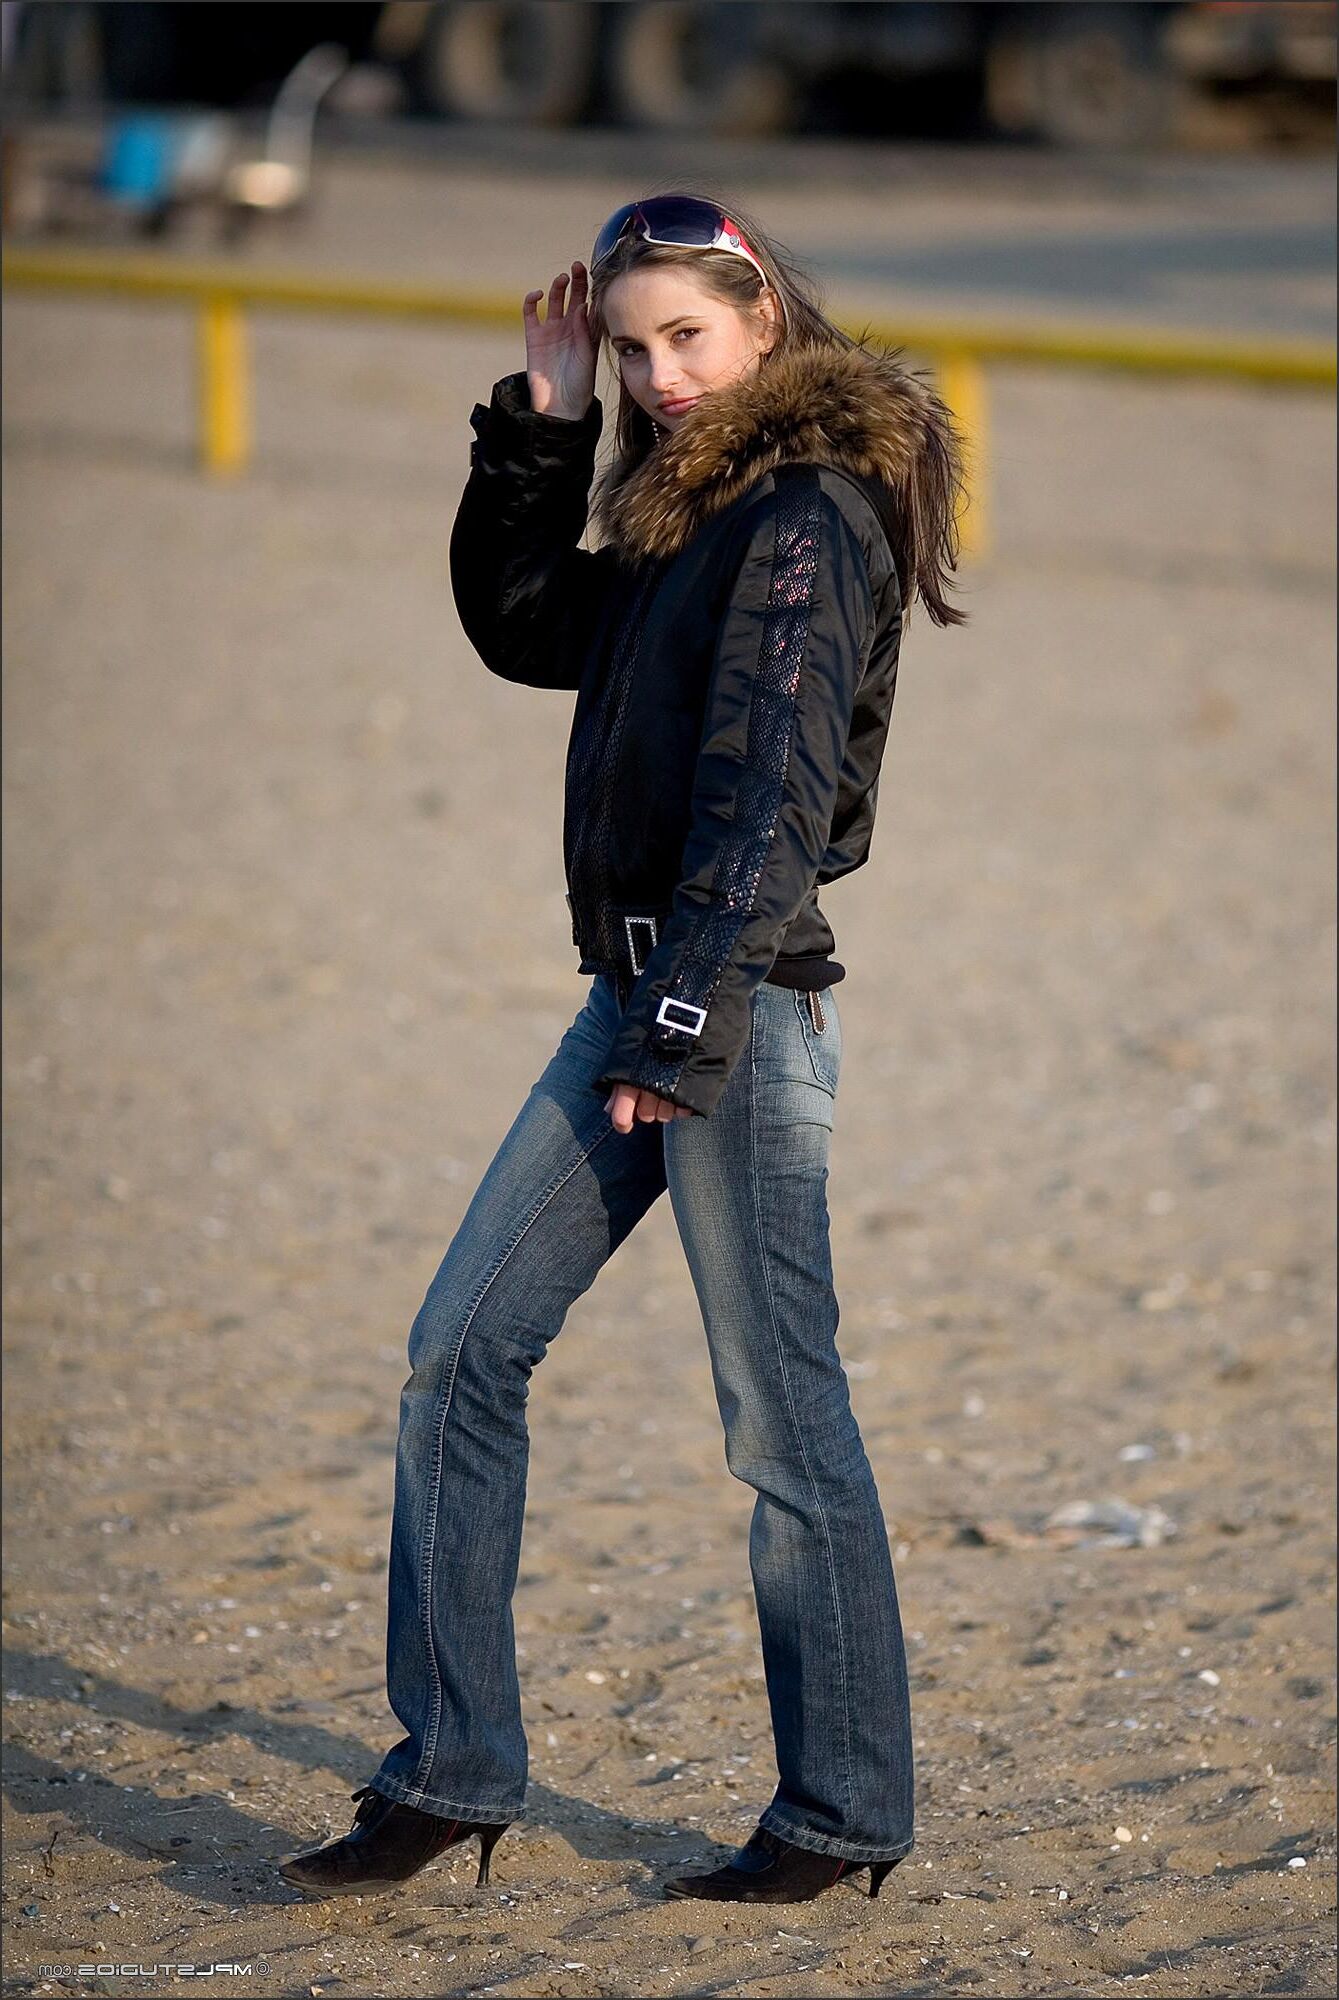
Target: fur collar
[857,411]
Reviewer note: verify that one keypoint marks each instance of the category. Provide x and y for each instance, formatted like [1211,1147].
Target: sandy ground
[285,946]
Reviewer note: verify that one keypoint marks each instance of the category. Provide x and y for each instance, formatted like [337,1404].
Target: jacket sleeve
[790,654]
[526,595]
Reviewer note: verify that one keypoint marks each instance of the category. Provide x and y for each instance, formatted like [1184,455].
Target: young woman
[778,497]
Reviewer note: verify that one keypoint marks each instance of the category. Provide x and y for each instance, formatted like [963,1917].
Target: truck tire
[507,61]
[692,66]
[1084,77]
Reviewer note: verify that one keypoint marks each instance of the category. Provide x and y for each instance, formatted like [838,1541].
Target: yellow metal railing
[221,292]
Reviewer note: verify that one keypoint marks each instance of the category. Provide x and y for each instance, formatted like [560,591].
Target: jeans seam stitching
[799,1434]
[824,1081]
[426,1568]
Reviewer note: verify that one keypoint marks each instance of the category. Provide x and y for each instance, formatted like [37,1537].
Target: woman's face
[675,343]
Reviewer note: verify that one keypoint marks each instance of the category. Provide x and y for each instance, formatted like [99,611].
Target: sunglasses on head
[684,222]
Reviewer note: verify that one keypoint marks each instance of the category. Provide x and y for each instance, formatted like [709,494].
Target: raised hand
[560,350]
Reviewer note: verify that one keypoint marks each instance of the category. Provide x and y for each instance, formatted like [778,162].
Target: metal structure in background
[221,294]
[1073,73]
[279,178]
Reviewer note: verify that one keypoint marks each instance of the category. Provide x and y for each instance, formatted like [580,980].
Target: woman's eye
[626,353]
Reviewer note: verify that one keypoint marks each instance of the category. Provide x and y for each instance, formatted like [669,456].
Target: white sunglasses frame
[725,239]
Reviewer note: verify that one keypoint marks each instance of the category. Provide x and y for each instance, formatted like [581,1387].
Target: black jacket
[733,648]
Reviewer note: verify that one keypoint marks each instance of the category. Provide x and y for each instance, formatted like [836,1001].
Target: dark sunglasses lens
[682,219]
[612,230]
[669,218]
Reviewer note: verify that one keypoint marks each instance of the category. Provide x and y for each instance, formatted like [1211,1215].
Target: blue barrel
[139,161]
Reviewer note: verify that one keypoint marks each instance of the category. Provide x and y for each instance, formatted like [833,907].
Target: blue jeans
[748,1189]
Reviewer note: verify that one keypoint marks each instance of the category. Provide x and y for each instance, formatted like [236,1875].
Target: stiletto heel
[489,1837]
[387,1843]
[771,1870]
[877,1871]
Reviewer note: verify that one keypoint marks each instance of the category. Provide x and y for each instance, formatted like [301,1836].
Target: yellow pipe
[153,278]
[1301,362]
[1157,351]
[959,348]
[224,387]
[962,382]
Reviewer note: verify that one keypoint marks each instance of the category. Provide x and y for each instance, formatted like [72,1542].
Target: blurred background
[236,91]
[1248,72]
[285,945]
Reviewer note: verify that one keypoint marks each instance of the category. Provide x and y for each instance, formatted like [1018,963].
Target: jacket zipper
[595,764]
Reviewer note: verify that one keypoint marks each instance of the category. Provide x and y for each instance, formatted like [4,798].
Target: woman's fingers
[559,306]
[620,1104]
[626,1103]
[530,303]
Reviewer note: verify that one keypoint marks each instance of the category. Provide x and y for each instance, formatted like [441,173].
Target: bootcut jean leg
[749,1191]
[563,1191]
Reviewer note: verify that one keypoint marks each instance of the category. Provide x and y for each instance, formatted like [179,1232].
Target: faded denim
[748,1189]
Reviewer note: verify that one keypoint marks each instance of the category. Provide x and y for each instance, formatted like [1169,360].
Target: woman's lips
[684,403]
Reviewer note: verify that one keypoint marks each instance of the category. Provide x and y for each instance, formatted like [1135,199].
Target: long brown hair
[925,536]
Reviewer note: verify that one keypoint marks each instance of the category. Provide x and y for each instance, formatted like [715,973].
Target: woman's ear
[770,308]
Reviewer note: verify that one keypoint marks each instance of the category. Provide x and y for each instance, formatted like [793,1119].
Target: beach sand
[285,947]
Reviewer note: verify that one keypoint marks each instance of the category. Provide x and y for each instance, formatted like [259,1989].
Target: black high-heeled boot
[387,1843]
[771,1870]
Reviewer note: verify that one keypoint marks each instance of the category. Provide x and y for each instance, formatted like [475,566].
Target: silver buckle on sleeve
[638,963]
[684,1007]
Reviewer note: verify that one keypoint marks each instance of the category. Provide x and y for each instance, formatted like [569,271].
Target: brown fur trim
[847,408]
